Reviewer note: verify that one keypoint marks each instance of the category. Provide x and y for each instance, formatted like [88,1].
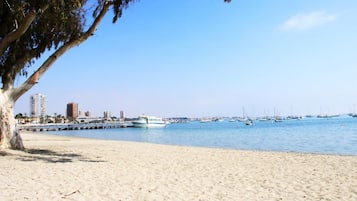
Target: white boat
[249,122]
[204,120]
[149,122]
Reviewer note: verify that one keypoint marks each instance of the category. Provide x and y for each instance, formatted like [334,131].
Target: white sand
[61,168]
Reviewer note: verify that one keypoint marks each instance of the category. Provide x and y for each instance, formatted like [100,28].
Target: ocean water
[310,135]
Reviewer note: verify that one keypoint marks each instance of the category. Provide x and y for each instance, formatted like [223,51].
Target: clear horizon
[199,58]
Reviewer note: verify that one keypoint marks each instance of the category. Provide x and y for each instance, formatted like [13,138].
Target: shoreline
[223,148]
[75,168]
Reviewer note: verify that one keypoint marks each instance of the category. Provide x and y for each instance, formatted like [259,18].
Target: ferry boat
[149,122]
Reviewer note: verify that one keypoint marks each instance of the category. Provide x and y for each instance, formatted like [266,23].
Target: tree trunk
[9,136]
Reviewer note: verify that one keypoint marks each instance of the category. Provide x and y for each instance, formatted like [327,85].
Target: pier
[84,126]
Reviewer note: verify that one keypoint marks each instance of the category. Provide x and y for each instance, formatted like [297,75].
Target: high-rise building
[72,110]
[122,114]
[38,105]
[107,115]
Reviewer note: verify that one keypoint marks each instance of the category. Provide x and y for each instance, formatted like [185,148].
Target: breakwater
[69,126]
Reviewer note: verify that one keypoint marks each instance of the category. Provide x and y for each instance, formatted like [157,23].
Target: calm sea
[310,135]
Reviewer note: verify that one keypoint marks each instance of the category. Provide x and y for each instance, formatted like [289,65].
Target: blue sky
[200,58]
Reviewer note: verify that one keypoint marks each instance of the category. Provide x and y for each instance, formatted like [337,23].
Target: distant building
[72,110]
[122,114]
[107,115]
[87,114]
[38,105]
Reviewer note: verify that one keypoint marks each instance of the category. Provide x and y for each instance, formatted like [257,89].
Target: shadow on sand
[50,156]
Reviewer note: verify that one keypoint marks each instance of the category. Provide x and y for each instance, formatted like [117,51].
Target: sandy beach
[64,168]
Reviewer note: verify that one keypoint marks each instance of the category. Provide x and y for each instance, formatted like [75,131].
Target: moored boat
[205,120]
[149,122]
[248,123]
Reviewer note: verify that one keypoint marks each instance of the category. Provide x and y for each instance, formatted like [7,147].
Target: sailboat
[277,118]
[247,121]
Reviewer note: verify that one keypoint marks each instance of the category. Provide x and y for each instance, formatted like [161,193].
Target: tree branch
[9,76]
[33,79]
[17,33]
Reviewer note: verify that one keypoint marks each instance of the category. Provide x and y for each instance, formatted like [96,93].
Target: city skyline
[38,109]
[199,59]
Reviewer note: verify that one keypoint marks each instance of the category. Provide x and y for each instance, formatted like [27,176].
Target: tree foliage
[53,26]
[30,27]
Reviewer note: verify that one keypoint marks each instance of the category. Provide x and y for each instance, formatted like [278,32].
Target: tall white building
[38,105]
